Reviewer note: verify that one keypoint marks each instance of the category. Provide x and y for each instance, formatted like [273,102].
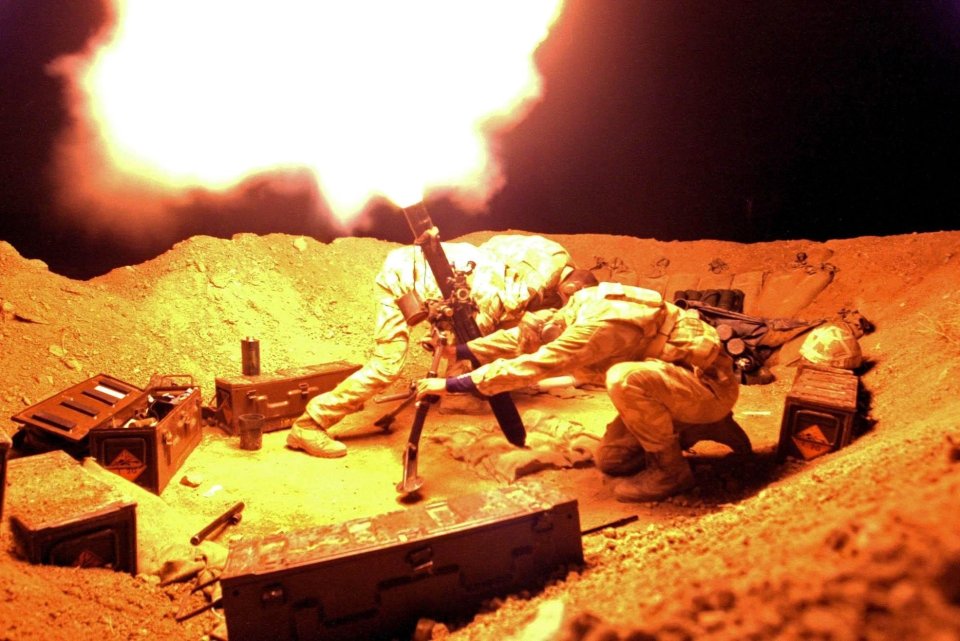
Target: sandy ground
[863,543]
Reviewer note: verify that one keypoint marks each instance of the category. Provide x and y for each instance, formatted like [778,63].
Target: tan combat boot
[667,473]
[315,443]
[619,453]
[726,431]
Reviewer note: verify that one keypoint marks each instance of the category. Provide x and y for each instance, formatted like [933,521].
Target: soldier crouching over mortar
[506,276]
[662,366]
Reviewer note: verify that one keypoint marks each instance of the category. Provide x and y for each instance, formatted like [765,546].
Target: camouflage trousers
[651,396]
[327,409]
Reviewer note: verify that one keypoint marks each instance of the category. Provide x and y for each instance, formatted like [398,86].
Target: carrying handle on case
[169,380]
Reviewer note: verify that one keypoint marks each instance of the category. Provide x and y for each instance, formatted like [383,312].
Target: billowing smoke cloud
[369,98]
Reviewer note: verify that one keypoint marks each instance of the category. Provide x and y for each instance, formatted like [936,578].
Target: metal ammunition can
[819,412]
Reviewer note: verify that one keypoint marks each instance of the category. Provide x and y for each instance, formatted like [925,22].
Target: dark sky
[674,120]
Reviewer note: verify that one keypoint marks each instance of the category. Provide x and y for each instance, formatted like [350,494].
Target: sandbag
[553,442]
[657,284]
[750,283]
[784,294]
[729,299]
[614,270]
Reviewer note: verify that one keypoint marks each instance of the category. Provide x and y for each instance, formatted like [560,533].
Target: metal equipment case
[142,435]
[375,577]
[280,396]
[60,514]
[819,412]
[163,430]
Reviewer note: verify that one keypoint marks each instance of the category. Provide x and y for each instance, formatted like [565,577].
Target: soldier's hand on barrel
[431,386]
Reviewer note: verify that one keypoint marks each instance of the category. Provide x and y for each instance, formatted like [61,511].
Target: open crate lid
[73,412]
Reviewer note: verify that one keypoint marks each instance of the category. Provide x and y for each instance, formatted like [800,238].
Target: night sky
[676,120]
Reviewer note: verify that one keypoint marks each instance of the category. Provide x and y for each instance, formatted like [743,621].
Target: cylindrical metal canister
[736,346]
[251,431]
[250,356]
[412,307]
[725,332]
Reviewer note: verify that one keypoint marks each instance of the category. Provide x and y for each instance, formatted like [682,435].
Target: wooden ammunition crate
[819,412]
[60,514]
[281,396]
[373,578]
[155,440]
[4,452]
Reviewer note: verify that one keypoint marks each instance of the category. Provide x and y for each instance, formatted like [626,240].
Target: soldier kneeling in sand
[662,366]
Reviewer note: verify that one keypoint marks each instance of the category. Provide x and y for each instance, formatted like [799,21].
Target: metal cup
[251,431]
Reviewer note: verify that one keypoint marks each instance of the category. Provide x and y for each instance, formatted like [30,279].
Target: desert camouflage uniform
[659,363]
[536,267]
[499,292]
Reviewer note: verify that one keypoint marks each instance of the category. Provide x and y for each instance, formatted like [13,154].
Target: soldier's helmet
[834,344]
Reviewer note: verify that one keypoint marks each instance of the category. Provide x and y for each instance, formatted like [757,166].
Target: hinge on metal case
[304,388]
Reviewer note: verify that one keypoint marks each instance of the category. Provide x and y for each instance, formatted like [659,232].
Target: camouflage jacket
[500,292]
[604,325]
[534,268]
[510,272]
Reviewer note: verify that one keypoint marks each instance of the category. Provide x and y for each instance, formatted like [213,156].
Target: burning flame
[372,97]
